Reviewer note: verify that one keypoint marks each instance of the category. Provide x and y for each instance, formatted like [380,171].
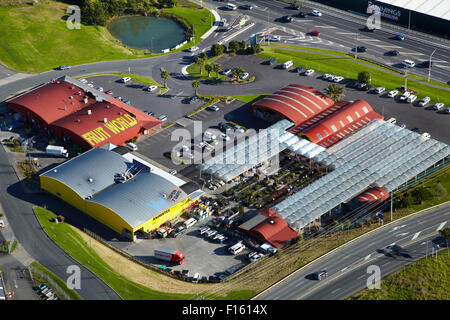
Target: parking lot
[169,104]
[203,255]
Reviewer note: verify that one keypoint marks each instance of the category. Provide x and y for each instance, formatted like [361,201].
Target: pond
[151,33]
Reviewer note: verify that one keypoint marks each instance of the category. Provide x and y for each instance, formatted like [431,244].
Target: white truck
[57,151]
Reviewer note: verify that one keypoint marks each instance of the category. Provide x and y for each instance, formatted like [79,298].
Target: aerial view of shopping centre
[224,150]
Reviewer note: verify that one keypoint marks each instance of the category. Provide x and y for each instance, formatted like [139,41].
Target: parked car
[193,49]
[209,135]
[315,33]
[118,98]
[83,80]
[338,78]
[128,102]
[225,137]
[392,93]
[404,96]
[298,69]
[151,88]
[226,72]
[399,37]
[392,120]
[354,84]
[109,92]
[403,126]
[326,76]
[238,129]
[173,171]
[426,135]
[244,76]
[316,13]
[309,72]
[213,108]
[424,101]
[438,106]
[379,90]
[162,117]
[447,110]
[192,99]
[125,79]
[100,89]
[362,86]
[293,6]
[411,98]
[64,67]
[274,38]
[256,257]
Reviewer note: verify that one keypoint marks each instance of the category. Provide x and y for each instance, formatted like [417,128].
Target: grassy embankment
[346,67]
[426,279]
[35,37]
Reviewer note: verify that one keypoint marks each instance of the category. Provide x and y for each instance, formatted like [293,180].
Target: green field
[250,98]
[63,235]
[323,63]
[36,39]
[427,279]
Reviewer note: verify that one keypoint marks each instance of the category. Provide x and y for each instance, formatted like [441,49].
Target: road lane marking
[385,264]
[388,47]
[360,277]
[370,40]
[441,225]
[344,269]
[402,234]
[399,227]
[353,33]
[412,53]
[441,66]
[325,27]
[336,290]
[416,235]
[367,257]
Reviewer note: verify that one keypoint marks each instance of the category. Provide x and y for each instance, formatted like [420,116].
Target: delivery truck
[170,255]
[57,151]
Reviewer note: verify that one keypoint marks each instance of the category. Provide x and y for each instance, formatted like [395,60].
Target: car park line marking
[441,226]
[352,33]
[360,277]
[416,235]
[412,53]
[367,257]
[329,27]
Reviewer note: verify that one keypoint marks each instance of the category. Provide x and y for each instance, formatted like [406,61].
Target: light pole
[429,65]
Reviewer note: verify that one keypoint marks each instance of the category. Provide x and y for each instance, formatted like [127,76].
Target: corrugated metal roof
[435,8]
[141,198]
[100,165]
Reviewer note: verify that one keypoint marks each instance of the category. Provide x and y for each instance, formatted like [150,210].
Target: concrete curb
[346,244]
[214,27]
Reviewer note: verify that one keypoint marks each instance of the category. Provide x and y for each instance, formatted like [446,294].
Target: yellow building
[123,192]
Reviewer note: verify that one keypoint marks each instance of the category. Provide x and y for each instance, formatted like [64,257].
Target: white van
[408,63]
[189,223]
[196,277]
[231,6]
[125,79]
[238,247]
[132,146]
[288,64]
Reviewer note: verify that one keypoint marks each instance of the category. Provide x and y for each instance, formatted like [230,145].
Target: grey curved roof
[139,199]
[98,164]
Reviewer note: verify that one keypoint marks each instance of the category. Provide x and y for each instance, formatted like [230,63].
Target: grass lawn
[323,63]
[36,39]
[426,279]
[70,241]
[250,98]
[194,70]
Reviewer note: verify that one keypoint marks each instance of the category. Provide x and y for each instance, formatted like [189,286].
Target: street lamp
[429,65]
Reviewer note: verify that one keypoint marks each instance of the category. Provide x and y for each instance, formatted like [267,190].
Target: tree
[243,46]
[204,56]
[217,49]
[196,85]
[364,77]
[440,190]
[420,194]
[217,68]
[237,72]
[165,75]
[335,91]
[234,46]
[208,68]
[200,62]
[445,233]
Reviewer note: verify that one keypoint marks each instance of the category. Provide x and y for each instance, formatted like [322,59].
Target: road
[389,248]
[340,31]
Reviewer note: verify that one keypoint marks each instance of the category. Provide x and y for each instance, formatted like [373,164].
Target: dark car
[192,99]
[247,6]
[361,86]
[361,49]
[427,63]
[367,29]
[272,61]
[393,52]
[293,6]
[353,84]
[64,67]
[301,14]
[321,275]
[286,18]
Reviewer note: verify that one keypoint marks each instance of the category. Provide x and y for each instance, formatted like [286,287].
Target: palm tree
[237,72]
[200,62]
[165,75]
[217,68]
[208,68]
[335,91]
[195,85]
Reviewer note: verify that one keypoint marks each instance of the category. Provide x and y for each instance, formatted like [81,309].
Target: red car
[315,33]
[109,92]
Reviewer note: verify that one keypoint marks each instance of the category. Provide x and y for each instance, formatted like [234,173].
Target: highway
[390,248]
[340,31]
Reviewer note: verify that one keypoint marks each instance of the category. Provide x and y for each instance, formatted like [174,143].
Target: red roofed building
[269,226]
[81,115]
[373,195]
[335,123]
[295,102]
